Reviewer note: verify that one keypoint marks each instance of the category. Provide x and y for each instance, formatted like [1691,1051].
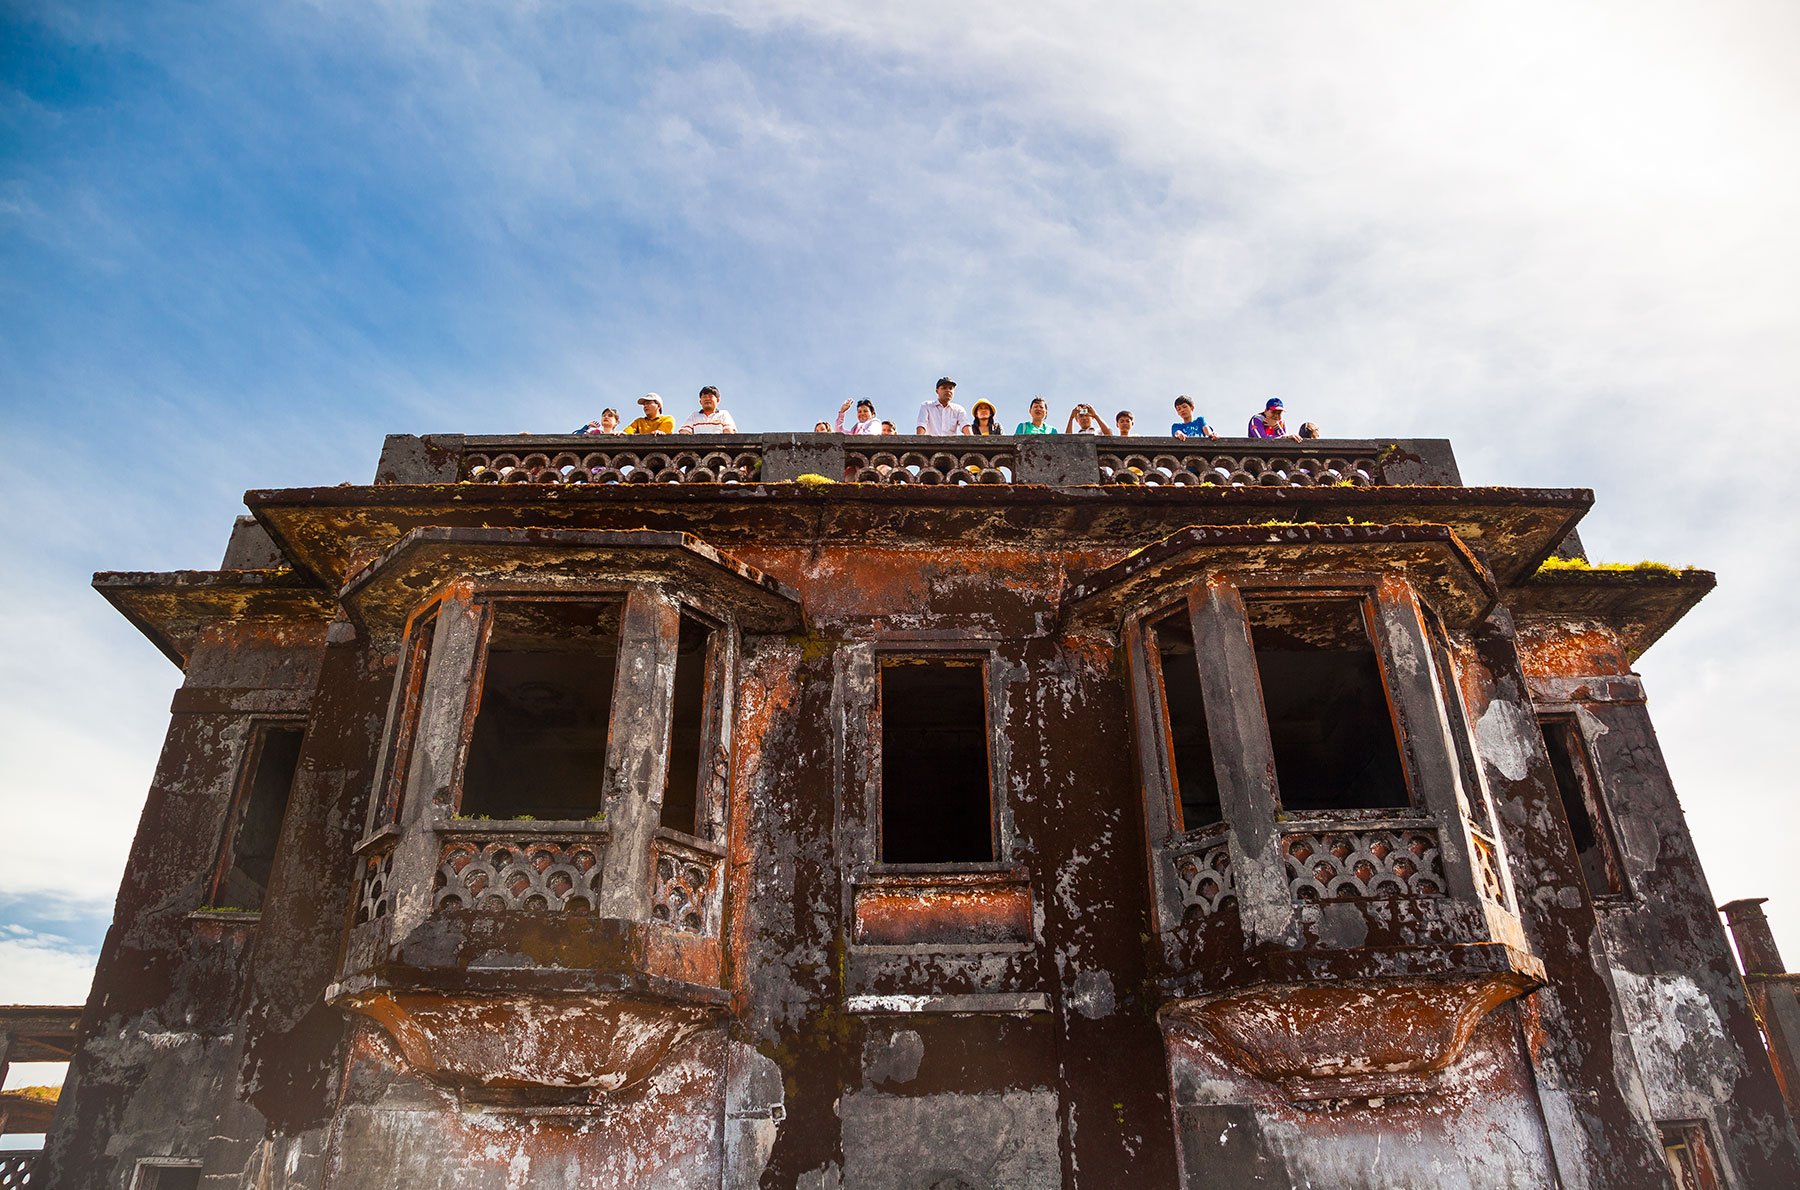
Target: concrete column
[637,753]
[1774,994]
[1755,940]
[1412,681]
[1057,460]
[1243,756]
[437,740]
[786,457]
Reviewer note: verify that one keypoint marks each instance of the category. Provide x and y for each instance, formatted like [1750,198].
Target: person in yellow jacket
[653,421]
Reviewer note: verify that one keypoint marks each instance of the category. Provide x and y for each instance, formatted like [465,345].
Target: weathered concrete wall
[1007,1027]
[163,1031]
[1682,1006]
[1478,1126]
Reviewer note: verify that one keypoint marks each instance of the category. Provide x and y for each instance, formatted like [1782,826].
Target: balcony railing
[1330,860]
[1201,863]
[1057,460]
[15,1167]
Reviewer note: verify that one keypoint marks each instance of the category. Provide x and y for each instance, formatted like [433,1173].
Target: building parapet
[1059,460]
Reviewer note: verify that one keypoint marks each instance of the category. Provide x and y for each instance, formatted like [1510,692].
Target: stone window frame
[1251,815]
[1600,811]
[990,898]
[439,694]
[858,699]
[250,751]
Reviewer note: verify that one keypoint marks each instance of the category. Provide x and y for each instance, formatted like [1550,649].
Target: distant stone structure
[806,811]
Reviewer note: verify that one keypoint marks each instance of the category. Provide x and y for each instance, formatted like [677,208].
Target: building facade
[793,811]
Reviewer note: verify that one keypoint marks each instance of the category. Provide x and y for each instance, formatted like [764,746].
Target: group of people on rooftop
[944,417]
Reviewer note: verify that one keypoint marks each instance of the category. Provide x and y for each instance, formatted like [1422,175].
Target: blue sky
[239,243]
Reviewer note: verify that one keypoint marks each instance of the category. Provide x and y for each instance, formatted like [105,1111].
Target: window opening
[1458,717]
[1190,744]
[1582,807]
[687,725]
[249,854]
[538,747]
[406,720]
[935,784]
[166,1177]
[1690,1160]
[1329,720]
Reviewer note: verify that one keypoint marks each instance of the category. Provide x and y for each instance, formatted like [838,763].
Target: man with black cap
[943,416]
[653,421]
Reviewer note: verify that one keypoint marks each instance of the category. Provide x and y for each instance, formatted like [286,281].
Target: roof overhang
[334,532]
[426,561]
[1440,567]
[1639,605]
[174,607]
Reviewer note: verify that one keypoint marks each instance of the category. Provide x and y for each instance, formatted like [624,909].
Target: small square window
[161,1176]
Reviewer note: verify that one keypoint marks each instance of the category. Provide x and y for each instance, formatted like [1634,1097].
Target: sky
[241,242]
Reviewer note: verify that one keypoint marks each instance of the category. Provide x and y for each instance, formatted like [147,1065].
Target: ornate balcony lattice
[684,886]
[1237,470]
[1487,868]
[1202,870]
[488,871]
[988,465]
[374,892]
[1367,862]
[662,464]
[15,1169]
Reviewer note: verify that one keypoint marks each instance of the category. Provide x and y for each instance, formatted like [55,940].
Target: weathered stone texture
[730,985]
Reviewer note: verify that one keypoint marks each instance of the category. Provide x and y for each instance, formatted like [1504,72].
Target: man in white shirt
[1084,419]
[711,419]
[943,416]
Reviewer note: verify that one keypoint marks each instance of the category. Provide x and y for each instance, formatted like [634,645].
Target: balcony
[1052,460]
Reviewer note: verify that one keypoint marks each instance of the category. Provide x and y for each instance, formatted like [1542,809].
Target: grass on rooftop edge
[1579,565]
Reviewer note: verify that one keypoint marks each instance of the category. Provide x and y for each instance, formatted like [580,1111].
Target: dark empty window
[167,1177]
[687,727]
[1190,746]
[538,748]
[255,823]
[935,785]
[1586,813]
[1329,721]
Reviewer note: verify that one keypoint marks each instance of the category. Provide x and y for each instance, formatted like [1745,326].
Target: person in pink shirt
[1268,423]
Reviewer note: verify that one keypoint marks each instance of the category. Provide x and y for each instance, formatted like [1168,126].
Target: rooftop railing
[1056,460]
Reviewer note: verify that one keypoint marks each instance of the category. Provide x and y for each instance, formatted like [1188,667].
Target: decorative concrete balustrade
[1057,460]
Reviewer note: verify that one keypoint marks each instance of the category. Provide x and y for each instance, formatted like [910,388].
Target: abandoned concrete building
[788,810]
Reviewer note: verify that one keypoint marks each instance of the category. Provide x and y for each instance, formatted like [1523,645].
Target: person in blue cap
[1190,425]
[1268,423]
